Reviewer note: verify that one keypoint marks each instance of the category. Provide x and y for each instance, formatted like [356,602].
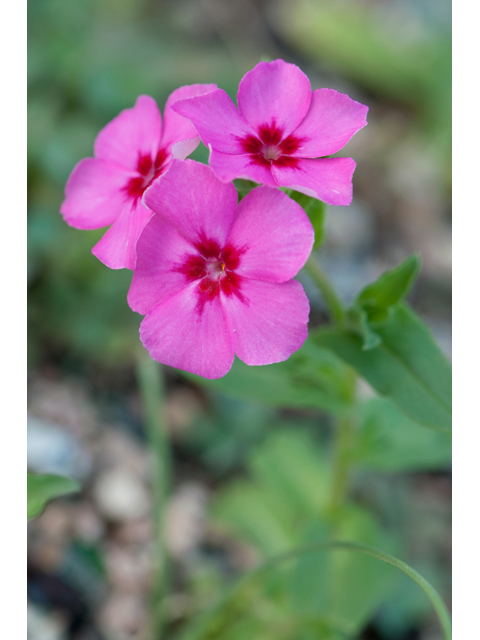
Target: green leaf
[388,441]
[293,469]
[311,378]
[243,187]
[256,515]
[357,321]
[316,211]
[44,487]
[408,366]
[381,296]
[290,484]
[376,303]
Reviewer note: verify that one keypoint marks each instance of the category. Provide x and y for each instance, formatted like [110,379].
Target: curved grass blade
[206,623]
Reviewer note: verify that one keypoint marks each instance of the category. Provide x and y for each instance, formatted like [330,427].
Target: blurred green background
[250,471]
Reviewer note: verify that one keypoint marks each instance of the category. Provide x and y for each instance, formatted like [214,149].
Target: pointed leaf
[44,487]
[391,288]
[408,366]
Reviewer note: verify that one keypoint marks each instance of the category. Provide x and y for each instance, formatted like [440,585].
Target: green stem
[342,447]
[345,424]
[333,302]
[200,631]
[150,381]
[344,430]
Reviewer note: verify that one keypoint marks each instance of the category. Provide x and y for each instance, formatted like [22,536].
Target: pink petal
[159,248]
[331,121]
[175,334]
[217,120]
[328,179]
[117,247]
[276,234]
[274,92]
[132,133]
[197,203]
[181,150]
[178,132]
[270,324]
[228,167]
[94,194]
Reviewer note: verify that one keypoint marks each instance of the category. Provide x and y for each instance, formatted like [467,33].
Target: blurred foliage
[222,436]
[311,378]
[284,504]
[388,50]
[388,441]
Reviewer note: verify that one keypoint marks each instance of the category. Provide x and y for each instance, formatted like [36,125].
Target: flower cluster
[215,278]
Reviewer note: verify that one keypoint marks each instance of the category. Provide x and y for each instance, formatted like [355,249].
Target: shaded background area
[89,558]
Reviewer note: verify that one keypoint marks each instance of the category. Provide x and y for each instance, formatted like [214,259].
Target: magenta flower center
[148,170]
[214,269]
[270,148]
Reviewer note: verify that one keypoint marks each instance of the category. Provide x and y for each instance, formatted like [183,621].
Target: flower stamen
[271,152]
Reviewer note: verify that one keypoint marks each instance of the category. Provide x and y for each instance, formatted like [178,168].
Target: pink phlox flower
[130,152]
[215,279]
[279,132]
